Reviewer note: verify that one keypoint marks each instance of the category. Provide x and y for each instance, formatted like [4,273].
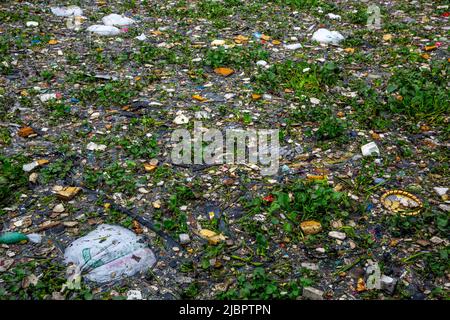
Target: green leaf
[287,227]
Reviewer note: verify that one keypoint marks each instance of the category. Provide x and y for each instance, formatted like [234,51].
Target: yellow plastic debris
[224,71]
[211,236]
[151,165]
[68,193]
[310,227]
[199,98]
[256,96]
[41,162]
[402,202]
[241,39]
[313,177]
[361,285]
[349,50]
[430,48]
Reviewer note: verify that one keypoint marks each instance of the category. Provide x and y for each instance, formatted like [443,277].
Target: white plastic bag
[109,253]
[47,96]
[117,20]
[370,149]
[333,16]
[67,11]
[293,46]
[141,37]
[103,30]
[327,36]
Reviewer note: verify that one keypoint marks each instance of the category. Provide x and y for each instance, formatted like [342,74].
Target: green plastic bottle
[12,237]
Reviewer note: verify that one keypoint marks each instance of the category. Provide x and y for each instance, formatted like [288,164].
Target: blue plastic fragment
[257,35]
[285,169]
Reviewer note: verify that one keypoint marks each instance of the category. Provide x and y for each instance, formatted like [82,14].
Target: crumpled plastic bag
[141,37]
[67,11]
[109,253]
[114,19]
[293,46]
[104,30]
[327,36]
